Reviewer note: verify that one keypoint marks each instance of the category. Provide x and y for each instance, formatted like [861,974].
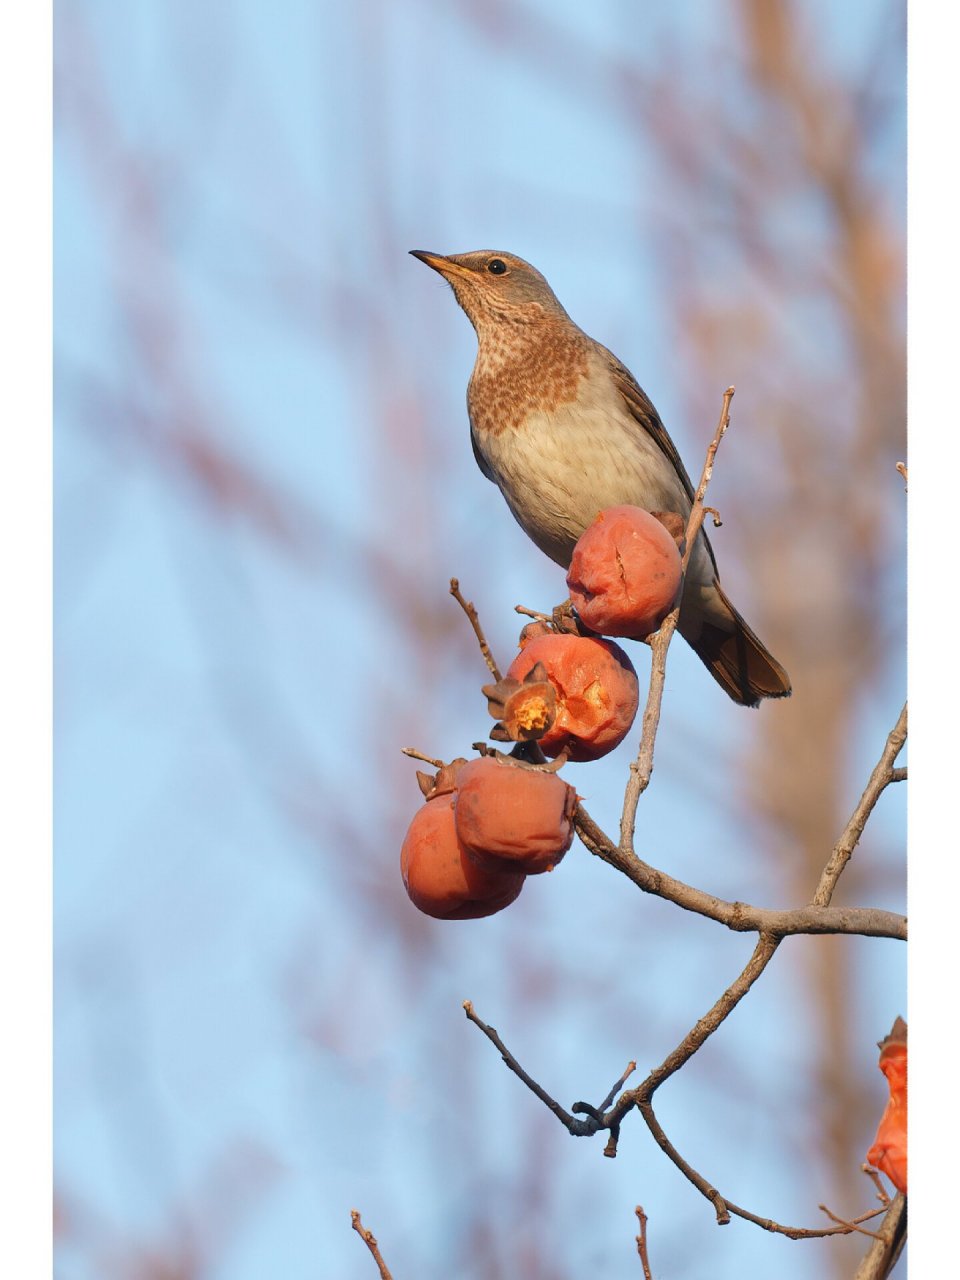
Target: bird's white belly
[558,471]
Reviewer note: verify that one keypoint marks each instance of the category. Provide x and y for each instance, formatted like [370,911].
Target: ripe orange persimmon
[889,1150]
[512,817]
[624,574]
[596,687]
[439,877]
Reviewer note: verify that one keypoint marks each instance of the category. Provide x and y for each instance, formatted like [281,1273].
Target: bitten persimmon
[439,877]
[889,1150]
[512,817]
[597,692]
[624,574]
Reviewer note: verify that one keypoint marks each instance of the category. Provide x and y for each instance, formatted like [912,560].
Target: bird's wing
[646,416]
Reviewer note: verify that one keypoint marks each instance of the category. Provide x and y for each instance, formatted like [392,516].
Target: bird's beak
[446,266]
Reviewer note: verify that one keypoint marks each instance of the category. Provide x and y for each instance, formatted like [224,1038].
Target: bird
[564,430]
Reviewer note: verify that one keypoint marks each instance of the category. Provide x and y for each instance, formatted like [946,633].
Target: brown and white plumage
[564,430]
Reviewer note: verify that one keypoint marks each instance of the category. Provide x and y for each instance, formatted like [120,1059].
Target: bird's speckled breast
[559,464]
[517,374]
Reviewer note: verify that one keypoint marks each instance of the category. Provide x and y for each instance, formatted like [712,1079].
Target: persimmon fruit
[440,879]
[511,817]
[889,1150]
[597,692]
[624,574]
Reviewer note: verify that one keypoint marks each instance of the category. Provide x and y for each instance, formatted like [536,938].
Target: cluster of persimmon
[569,694]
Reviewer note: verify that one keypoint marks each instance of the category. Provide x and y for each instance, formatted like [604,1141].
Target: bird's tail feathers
[737,659]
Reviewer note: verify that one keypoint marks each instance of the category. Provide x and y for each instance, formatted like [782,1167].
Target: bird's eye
[496,266]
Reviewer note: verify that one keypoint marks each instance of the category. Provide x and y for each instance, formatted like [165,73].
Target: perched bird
[564,431]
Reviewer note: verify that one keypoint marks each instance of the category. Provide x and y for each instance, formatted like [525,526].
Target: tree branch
[370,1240]
[642,1242]
[579,1128]
[739,916]
[882,776]
[470,610]
[641,769]
[881,1257]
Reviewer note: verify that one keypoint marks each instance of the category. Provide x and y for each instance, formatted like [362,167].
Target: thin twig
[587,1108]
[418,755]
[835,1217]
[579,1128]
[370,1240]
[469,609]
[874,1177]
[800,1233]
[631,1068]
[642,768]
[698,1180]
[882,775]
[532,613]
[642,1243]
[724,1208]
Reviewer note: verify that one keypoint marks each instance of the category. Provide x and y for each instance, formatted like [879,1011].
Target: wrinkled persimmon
[889,1150]
[512,817]
[597,692]
[624,574]
[440,879]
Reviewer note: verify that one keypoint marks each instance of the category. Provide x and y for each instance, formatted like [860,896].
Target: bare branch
[882,775]
[642,1095]
[596,1113]
[835,1217]
[471,612]
[579,1128]
[881,1257]
[631,1067]
[739,916]
[415,754]
[642,768]
[726,1208]
[642,1243]
[665,1145]
[801,1233]
[532,613]
[370,1240]
[762,955]
[874,1177]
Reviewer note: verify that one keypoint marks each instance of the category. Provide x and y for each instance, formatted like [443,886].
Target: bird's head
[494,287]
